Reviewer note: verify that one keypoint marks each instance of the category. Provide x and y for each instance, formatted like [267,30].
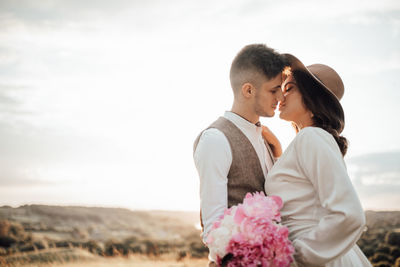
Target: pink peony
[251,233]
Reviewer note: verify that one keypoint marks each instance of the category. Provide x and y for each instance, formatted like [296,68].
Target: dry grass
[137,261]
[81,258]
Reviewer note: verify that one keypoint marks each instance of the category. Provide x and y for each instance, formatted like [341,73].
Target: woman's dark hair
[327,115]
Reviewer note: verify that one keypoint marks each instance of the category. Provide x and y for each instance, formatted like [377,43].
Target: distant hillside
[383,219]
[116,231]
[100,224]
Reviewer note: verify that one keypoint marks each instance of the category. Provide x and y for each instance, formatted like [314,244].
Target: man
[231,156]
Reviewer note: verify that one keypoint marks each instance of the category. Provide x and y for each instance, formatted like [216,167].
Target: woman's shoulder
[318,142]
[314,136]
[312,131]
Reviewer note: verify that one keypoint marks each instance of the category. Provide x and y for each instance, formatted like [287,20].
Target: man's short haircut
[253,64]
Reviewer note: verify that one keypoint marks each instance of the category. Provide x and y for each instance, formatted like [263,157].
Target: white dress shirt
[213,159]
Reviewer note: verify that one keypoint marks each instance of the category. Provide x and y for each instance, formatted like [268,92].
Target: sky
[100,101]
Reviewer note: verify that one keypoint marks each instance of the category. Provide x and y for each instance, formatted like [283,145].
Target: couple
[236,155]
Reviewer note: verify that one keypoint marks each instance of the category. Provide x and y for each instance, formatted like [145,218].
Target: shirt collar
[242,122]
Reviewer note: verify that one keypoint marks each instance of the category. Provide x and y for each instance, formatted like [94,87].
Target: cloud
[88,14]
[377,179]
[17,176]
[9,101]
[27,144]
[6,100]
[377,163]
[48,166]
[56,11]
[31,153]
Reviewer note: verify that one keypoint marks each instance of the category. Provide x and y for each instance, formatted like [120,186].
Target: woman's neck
[304,122]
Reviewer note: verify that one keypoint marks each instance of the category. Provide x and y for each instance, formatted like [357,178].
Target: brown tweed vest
[245,174]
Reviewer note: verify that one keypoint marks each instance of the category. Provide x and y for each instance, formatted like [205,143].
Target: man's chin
[283,117]
[266,113]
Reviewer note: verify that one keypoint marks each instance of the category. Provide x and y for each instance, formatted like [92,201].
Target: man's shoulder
[211,136]
[211,144]
[212,131]
[214,135]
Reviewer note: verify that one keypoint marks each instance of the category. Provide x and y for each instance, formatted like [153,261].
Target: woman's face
[292,107]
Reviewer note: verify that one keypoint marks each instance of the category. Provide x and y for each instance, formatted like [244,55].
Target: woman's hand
[273,141]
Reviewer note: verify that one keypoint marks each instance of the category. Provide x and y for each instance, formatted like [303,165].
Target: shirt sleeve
[213,158]
[337,231]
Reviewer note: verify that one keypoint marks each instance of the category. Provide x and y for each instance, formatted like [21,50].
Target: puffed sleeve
[337,231]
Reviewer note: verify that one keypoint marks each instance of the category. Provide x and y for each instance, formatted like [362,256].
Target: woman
[321,208]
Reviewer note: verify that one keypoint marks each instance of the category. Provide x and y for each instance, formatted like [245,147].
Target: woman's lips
[281,106]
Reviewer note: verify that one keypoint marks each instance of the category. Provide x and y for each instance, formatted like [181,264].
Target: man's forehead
[277,78]
[274,82]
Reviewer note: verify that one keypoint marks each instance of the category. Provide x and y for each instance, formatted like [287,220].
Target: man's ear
[248,90]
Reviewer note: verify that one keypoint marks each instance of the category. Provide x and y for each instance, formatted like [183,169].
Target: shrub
[134,245]
[111,250]
[198,249]
[136,248]
[51,244]
[384,249]
[397,263]
[369,251]
[382,264]
[7,241]
[12,250]
[75,244]
[114,248]
[63,244]
[151,248]
[395,252]
[41,244]
[27,248]
[379,257]
[165,246]
[181,255]
[93,247]
[4,228]
[17,230]
[393,238]
[12,233]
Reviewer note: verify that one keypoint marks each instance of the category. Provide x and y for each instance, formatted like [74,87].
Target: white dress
[321,208]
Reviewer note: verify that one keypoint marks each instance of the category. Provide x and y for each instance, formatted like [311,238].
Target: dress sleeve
[336,233]
[213,158]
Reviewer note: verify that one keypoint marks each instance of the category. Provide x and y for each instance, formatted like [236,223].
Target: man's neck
[245,114]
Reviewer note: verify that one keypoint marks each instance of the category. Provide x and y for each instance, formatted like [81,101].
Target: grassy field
[78,258]
[38,235]
[139,261]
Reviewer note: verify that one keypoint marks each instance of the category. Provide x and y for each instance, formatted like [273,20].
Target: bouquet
[249,234]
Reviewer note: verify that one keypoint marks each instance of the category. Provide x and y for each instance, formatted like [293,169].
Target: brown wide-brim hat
[324,75]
